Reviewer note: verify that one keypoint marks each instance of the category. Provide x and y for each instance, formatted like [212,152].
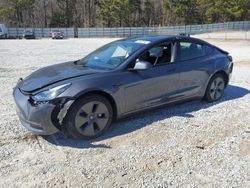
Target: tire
[215,88]
[89,117]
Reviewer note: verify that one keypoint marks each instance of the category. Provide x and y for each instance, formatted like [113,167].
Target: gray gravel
[188,145]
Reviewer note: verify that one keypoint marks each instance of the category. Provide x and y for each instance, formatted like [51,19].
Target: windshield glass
[111,55]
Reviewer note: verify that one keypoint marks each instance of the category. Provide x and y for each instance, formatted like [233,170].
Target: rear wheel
[215,88]
[89,117]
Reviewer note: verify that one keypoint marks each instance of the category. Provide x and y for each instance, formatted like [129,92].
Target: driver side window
[159,55]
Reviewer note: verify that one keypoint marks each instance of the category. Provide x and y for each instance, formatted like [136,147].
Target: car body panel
[194,75]
[131,90]
[34,118]
[52,74]
[151,82]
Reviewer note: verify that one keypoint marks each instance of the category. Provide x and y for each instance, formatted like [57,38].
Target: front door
[155,85]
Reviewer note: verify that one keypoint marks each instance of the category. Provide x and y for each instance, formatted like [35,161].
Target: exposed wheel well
[224,74]
[103,94]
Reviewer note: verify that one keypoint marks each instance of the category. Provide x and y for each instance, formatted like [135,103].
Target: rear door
[194,67]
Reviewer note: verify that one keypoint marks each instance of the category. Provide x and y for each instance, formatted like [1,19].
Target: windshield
[111,55]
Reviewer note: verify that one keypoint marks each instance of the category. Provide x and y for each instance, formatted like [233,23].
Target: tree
[58,20]
[120,13]
[106,10]
[67,10]
[186,11]
[16,10]
[125,10]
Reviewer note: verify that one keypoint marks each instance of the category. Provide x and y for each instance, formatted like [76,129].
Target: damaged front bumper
[43,118]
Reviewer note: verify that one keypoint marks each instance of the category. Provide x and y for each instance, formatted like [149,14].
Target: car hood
[52,74]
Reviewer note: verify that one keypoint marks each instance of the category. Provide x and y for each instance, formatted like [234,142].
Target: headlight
[50,93]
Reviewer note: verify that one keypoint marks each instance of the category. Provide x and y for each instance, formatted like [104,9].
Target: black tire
[215,88]
[89,117]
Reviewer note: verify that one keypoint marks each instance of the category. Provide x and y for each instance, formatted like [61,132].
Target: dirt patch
[195,144]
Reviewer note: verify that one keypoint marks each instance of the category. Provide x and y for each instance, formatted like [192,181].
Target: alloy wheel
[92,118]
[217,88]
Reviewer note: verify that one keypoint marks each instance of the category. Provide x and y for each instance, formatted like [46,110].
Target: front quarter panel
[105,82]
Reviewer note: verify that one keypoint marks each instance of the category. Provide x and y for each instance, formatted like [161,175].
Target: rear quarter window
[208,49]
[188,50]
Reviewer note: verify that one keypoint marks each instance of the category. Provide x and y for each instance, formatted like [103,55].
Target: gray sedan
[83,97]
[56,34]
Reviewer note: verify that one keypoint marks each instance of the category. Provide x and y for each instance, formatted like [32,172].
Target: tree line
[120,13]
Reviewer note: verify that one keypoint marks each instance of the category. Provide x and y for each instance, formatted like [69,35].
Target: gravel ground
[188,145]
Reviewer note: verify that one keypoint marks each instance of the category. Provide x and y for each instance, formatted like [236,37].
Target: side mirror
[142,65]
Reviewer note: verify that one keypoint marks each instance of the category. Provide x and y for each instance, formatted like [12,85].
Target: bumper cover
[58,37]
[35,118]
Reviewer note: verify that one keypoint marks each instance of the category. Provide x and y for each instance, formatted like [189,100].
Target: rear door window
[189,51]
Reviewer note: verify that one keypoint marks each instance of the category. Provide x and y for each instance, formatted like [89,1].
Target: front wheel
[89,117]
[215,88]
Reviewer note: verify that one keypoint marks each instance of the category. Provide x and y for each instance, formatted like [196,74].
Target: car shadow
[140,120]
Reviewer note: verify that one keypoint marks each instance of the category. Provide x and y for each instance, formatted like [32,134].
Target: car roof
[151,38]
[155,39]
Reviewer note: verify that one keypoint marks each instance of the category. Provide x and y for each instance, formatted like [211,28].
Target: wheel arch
[221,72]
[100,93]
[224,74]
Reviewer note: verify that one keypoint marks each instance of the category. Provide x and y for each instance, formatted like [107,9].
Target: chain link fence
[135,31]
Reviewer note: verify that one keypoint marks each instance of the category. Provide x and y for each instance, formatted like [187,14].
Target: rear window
[189,50]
